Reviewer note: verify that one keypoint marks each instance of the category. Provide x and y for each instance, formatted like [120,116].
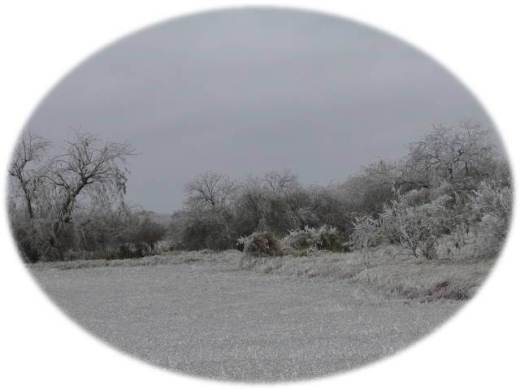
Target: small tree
[367,233]
[87,164]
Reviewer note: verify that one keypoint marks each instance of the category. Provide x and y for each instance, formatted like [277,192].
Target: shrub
[418,228]
[261,244]
[490,207]
[367,233]
[322,238]
[329,238]
[300,239]
[496,201]
[490,235]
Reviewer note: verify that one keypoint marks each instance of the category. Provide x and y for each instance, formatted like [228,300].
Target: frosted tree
[87,164]
[27,169]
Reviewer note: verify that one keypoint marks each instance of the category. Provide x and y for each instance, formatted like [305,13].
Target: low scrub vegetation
[449,197]
[261,244]
[71,205]
[322,238]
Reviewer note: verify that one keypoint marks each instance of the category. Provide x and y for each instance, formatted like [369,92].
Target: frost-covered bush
[492,205]
[367,233]
[417,228]
[260,244]
[300,239]
[329,239]
[322,238]
[472,225]
[413,220]
[495,200]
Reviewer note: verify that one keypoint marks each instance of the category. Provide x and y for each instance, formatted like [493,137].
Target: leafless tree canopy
[25,167]
[52,185]
[454,153]
[210,189]
[87,163]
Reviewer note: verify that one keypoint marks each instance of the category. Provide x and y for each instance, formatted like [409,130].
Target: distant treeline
[449,196]
[451,192]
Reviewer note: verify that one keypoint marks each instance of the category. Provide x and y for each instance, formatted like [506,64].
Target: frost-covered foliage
[322,238]
[47,191]
[463,155]
[329,238]
[96,231]
[300,239]
[492,205]
[494,200]
[480,226]
[367,233]
[449,198]
[441,223]
[416,227]
[417,202]
[261,244]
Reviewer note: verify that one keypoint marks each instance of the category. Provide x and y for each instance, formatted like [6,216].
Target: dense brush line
[449,196]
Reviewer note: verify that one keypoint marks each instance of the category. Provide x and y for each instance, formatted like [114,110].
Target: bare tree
[86,164]
[25,167]
[456,154]
[281,182]
[211,190]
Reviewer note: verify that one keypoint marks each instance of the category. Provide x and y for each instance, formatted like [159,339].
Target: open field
[281,319]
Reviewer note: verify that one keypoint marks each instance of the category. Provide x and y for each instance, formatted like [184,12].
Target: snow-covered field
[219,316]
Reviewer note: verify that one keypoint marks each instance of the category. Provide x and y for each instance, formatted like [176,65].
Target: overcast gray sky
[249,91]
